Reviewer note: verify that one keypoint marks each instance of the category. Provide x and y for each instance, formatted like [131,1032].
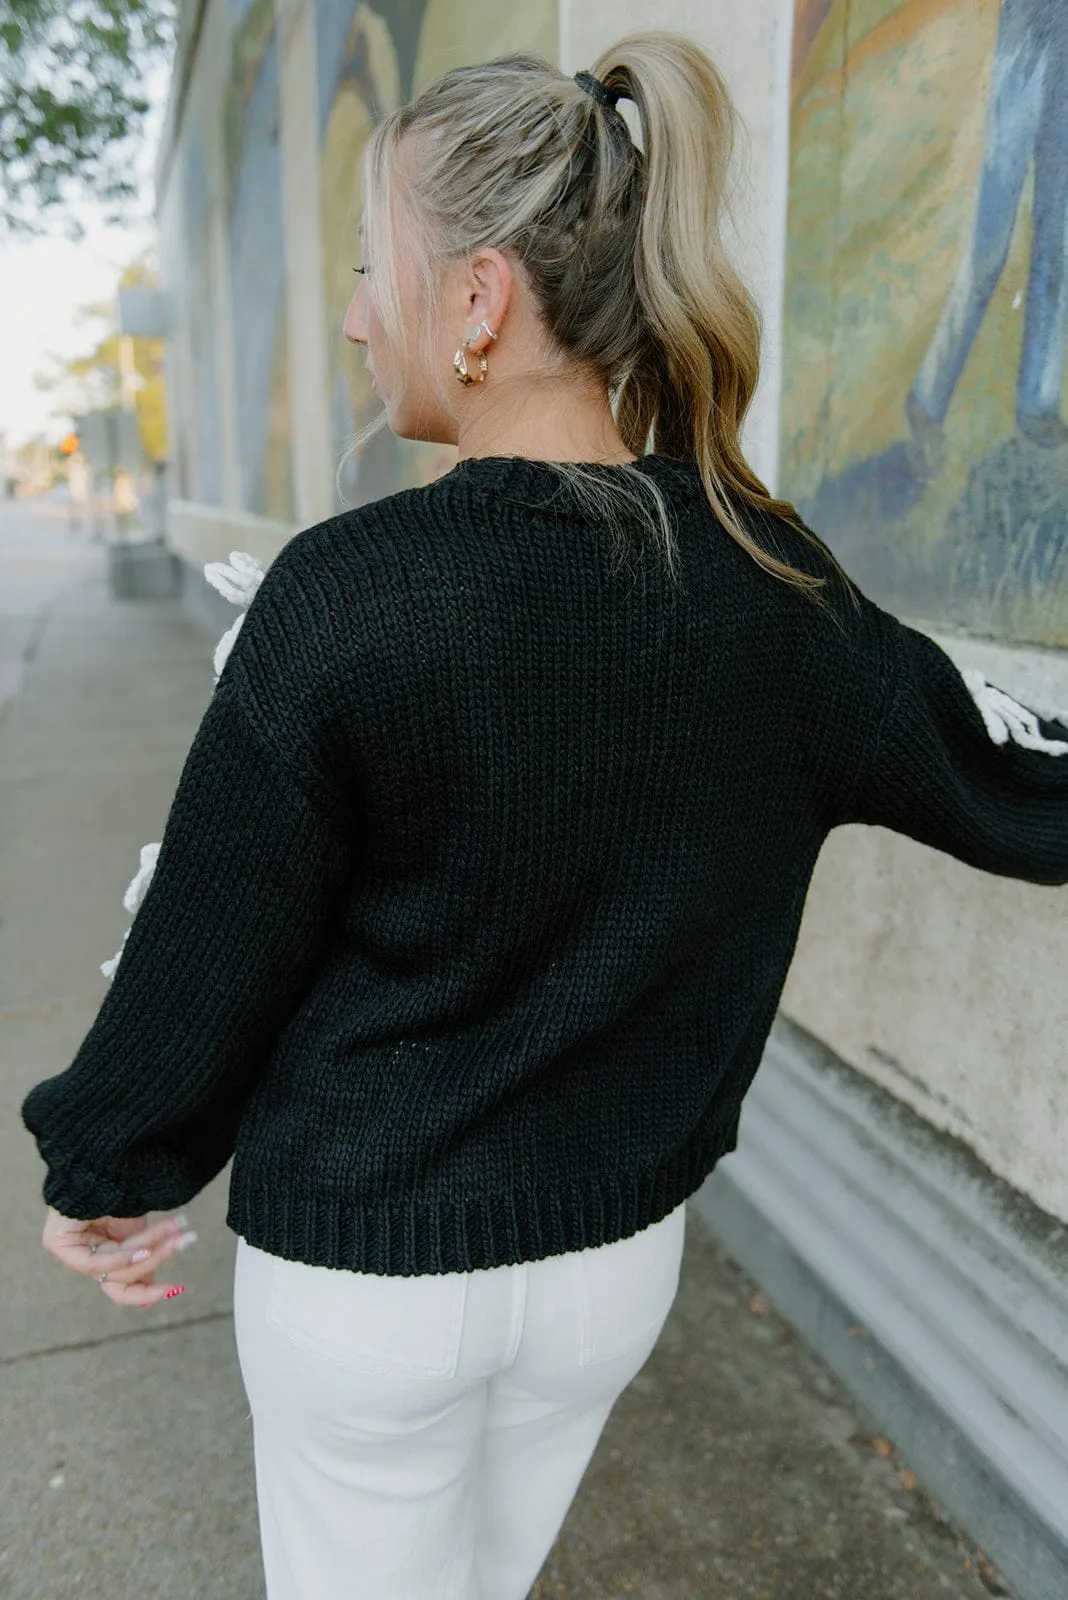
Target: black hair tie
[600,91]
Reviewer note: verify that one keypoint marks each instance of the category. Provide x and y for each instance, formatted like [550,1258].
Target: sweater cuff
[76,1192]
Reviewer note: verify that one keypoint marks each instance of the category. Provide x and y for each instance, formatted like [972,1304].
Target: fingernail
[172,1292]
[180,1221]
[186,1240]
[140,1255]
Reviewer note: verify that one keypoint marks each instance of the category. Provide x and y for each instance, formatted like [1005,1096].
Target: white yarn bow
[236,582]
[1006,719]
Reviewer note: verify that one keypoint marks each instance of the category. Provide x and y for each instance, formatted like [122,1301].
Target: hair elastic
[600,91]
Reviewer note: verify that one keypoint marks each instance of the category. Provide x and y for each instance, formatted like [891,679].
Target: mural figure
[361,50]
[924,426]
[371,57]
[1026,119]
[199,458]
[253,169]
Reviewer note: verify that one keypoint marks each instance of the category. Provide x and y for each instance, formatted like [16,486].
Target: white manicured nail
[187,1239]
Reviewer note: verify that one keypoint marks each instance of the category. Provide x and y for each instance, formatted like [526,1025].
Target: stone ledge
[1036,675]
[201,533]
[938,1295]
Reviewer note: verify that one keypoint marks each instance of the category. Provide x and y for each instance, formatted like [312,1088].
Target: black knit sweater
[485,869]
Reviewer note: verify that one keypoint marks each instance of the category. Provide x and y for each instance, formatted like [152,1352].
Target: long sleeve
[250,871]
[958,764]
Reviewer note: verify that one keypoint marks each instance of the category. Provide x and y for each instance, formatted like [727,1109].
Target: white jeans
[422,1438]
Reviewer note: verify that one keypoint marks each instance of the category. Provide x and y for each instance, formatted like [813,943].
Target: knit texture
[485,868]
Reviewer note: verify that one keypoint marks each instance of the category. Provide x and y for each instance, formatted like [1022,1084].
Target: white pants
[422,1438]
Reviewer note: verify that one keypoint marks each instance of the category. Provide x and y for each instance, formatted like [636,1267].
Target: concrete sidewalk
[734,1468]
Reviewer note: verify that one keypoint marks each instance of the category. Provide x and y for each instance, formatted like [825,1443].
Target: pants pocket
[399,1327]
[626,1289]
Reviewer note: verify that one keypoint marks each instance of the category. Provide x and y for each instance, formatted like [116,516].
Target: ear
[488,289]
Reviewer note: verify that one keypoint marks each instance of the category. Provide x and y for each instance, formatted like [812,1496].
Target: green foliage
[72,101]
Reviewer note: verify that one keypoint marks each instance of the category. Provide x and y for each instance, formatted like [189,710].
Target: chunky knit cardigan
[476,898]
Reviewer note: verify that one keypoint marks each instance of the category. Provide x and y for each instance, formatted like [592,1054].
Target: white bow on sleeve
[1006,719]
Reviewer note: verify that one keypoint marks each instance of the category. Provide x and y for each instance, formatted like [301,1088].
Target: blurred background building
[901,1186]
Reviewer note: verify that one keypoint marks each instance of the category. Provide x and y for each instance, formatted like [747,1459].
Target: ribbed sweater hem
[406,1236]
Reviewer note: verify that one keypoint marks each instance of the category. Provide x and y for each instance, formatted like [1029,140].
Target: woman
[487,861]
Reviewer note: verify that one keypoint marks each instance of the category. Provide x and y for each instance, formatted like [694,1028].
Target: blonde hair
[621,248]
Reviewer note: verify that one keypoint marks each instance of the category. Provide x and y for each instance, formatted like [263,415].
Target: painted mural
[369,60]
[199,458]
[253,177]
[924,425]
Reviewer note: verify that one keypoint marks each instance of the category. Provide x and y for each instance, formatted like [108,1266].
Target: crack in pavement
[110,1338]
[26,657]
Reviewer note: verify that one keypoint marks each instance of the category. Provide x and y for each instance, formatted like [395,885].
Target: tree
[92,382]
[73,77]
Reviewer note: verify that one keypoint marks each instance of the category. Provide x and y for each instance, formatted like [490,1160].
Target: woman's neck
[543,420]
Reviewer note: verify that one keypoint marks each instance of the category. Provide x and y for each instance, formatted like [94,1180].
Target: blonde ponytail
[692,387]
[622,249]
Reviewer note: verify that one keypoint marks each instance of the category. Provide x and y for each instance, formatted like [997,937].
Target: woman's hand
[128,1249]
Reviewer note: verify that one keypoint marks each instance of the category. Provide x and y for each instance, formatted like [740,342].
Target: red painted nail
[172,1292]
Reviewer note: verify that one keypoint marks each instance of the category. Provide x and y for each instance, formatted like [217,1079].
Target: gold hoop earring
[463,372]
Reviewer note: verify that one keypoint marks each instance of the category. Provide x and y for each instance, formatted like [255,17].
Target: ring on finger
[102,1278]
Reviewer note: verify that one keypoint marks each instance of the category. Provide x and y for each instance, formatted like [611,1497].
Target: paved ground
[734,1468]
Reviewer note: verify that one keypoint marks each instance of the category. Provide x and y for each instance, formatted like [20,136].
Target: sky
[45,283]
